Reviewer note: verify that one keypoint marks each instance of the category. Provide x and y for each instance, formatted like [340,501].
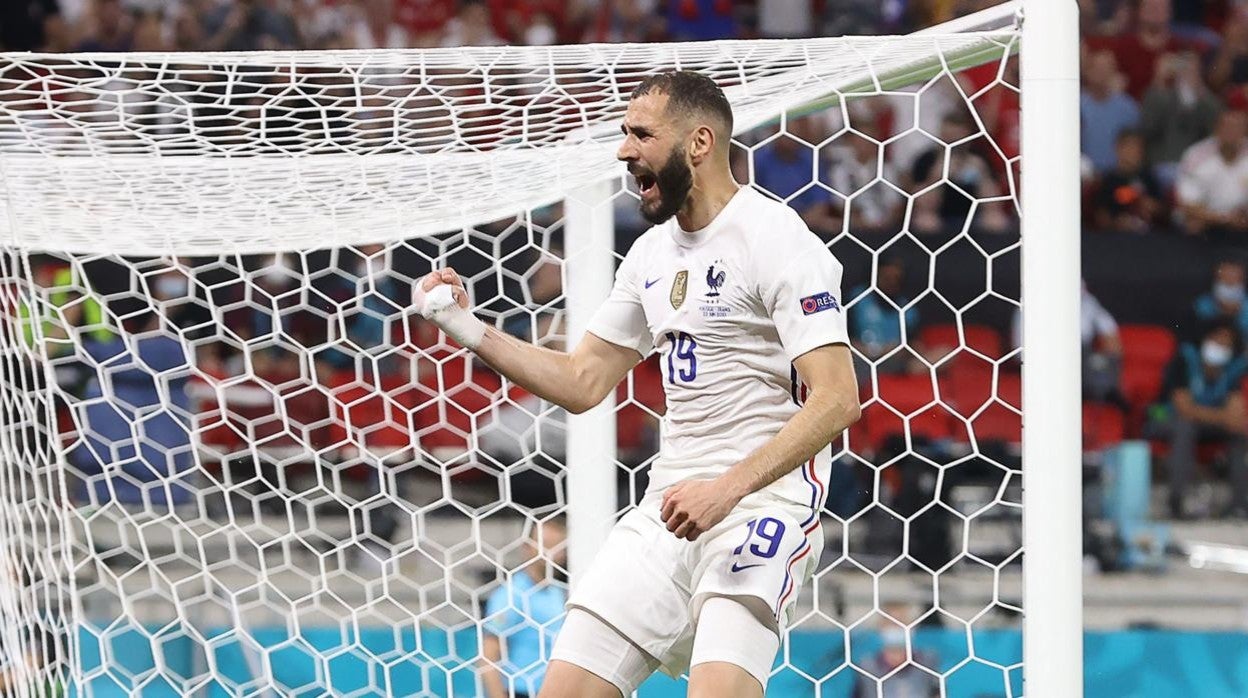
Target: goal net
[232,461]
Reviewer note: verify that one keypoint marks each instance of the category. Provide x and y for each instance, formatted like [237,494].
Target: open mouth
[645,183]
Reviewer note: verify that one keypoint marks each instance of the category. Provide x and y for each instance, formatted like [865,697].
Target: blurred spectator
[175,299]
[1101,354]
[701,20]
[1229,67]
[534,22]
[614,21]
[1128,197]
[1202,389]
[367,298]
[149,32]
[250,25]
[1225,302]
[471,27]
[997,105]
[856,171]
[855,17]
[1211,189]
[1139,50]
[30,25]
[371,25]
[1104,110]
[424,20]
[786,165]
[891,673]
[106,27]
[875,322]
[969,171]
[523,615]
[135,420]
[1178,110]
[542,303]
[794,19]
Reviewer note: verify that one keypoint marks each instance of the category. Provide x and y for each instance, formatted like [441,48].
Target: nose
[627,151]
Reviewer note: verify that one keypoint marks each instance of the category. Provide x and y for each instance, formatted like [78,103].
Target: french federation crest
[714,281]
[679,286]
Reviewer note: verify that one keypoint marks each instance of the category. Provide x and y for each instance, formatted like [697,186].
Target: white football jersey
[728,308]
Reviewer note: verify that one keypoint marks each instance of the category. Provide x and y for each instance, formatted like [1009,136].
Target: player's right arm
[576,380]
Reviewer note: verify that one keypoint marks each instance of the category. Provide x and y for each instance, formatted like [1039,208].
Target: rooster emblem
[713,281]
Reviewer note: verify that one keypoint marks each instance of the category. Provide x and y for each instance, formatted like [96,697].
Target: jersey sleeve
[801,291]
[622,319]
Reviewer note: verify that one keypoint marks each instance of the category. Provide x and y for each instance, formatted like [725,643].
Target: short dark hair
[689,92]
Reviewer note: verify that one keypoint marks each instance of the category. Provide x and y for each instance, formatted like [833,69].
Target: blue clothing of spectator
[701,20]
[784,173]
[525,616]
[1208,309]
[876,323]
[1102,121]
[1187,372]
[135,423]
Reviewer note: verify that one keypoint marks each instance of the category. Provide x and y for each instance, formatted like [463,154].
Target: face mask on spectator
[540,34]
[1230,294]
[1215,354]
[968,175]
[171,286]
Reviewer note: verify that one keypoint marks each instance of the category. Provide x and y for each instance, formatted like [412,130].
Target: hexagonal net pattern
[233,462]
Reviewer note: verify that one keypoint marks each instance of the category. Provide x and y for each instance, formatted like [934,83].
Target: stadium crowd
[1165,141]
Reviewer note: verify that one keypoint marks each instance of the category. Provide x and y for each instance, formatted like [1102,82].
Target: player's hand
[440,297]
[437,278]
[692,507]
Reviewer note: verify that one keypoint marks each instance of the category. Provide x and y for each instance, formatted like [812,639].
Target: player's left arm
[692,507]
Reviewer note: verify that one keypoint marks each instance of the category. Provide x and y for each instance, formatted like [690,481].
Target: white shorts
[650,585]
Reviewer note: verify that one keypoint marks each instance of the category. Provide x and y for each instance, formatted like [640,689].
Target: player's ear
[702,143]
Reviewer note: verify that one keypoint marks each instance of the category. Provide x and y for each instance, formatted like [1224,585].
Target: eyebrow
[640,131]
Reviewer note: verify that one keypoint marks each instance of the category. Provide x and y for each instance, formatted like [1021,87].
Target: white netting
[225,471]
[196,153]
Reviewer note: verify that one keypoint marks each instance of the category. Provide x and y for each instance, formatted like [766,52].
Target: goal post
[232,462]
[1051,282]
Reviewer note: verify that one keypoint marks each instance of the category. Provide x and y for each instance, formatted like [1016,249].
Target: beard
[673,181]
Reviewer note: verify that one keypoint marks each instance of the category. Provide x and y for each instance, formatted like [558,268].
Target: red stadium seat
[1146,349]
[449,399]
[997,421]
[369,413]
[633,418]
[980,338]
[1103,426]
[966,385]
[913,397]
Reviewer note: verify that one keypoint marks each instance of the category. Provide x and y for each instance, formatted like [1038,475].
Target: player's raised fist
[430,282]
[440,297]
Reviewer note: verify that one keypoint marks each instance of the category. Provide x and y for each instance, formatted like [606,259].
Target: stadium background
[1162,73]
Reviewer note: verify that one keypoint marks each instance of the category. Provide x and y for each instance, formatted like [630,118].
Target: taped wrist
[439,307]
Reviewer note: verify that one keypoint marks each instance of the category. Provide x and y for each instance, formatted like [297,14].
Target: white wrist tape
[439,307]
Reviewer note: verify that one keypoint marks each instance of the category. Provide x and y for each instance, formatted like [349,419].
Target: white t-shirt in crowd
[1207,179]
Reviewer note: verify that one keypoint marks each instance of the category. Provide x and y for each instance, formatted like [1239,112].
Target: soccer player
[743,302]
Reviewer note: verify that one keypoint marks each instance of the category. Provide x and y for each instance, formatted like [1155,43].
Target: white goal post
[233,463]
